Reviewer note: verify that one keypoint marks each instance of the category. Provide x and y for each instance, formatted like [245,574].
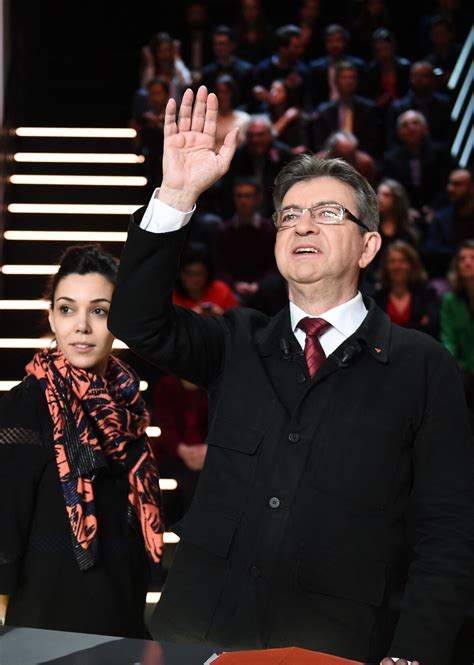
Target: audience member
[260,156]
[322,71]
[196,287]
[403,293]
[373,15]
[396,218]
[350,113]
[457,316]
[346,146]
[196,47]
[388,73]
[451,225]
[254,36]
[284,65]
[161,59]
[453,10]
[226,62]
[422,96]
[445,50]
[228,115]
[180,407]
[289,121]
[310,24]
[149,128]
[418,163]
[244,243]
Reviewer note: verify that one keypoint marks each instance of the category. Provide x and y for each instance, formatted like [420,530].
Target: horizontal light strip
[168,483]
[39,343]
[169,538]
[84,180]
[79,157]
[78,132]
[153,431]
[165,483]
[17,269]
[24,304]
[67,236]
[71,209]
[153,597]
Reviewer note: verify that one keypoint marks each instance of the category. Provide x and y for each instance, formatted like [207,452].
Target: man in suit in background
[328,427]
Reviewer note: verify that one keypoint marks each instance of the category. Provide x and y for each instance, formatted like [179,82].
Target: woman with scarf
[79,489]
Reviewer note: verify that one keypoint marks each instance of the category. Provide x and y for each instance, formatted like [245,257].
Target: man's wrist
[178,199]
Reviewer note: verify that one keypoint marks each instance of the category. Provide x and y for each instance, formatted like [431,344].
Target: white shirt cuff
[162,218]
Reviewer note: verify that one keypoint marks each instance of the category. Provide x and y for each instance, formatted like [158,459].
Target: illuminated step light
[39,343]
[67,236]
[165,483]
[168,483]
[170,538]
[84,180]
[71,209]
[153,597]
[79,157]
[24,304]
[78,132]
[153,432]
[17,269]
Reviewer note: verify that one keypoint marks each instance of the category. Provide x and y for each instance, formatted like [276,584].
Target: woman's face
[194,278]
[398,267]
[385,198]
[224,95]
[78,319]
[278,93]
[466,263]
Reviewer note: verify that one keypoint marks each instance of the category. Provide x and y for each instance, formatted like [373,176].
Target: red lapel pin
[377,349]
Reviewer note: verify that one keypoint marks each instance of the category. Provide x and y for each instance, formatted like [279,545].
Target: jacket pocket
[243,439]
[342,576]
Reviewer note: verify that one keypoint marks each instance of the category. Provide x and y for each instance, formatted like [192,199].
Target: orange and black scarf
[100,422]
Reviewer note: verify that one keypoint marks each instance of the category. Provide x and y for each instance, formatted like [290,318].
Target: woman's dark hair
[82,260]
[401,203]
[417,276]
[194,252]
[231,84]
[159,81]
[457,282]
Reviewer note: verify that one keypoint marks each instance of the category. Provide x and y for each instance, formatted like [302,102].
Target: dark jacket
[318,84]
[38,568]
[374,78]
[297,532]
[424,309]
[436,109]
[366,124]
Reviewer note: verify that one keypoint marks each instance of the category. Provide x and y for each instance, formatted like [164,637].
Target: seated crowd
[335,90]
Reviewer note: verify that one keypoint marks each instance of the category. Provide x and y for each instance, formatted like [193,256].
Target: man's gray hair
[308,167]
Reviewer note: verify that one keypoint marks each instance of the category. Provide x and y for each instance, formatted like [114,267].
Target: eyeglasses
[327,213]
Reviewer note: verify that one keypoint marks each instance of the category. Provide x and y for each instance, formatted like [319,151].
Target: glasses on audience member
[327,213]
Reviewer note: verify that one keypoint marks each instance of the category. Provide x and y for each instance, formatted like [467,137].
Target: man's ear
[372,244]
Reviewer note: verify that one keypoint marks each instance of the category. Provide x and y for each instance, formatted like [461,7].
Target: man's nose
[306,224]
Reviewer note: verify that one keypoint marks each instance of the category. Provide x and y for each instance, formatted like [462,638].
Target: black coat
[297,533]
[38,568]
[424,308]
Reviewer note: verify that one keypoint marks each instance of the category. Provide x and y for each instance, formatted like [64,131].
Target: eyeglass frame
[344,211]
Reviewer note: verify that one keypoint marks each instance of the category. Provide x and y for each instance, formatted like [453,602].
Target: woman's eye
[64,309]
[100,311]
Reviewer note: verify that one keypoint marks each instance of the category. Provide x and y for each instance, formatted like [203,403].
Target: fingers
[210,125]
[169,127]
[227,150]
[185,111]
[200,109]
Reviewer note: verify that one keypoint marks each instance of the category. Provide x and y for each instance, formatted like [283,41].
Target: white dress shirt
[344,319]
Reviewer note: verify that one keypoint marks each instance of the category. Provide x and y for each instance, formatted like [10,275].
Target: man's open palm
[189,159]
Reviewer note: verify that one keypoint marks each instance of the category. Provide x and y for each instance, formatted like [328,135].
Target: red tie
[313,351]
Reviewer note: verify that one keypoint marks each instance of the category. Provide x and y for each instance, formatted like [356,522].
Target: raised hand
[190,163]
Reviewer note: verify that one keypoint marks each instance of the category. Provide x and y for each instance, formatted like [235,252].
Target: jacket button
[301,378]
[274,502]
[255,571]
[293,437]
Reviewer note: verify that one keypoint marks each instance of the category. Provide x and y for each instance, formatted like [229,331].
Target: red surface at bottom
[290,656]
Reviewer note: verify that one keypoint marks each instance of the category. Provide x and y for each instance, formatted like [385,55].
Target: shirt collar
[346,318]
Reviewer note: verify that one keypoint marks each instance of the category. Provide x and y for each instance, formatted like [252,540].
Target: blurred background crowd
[337,85]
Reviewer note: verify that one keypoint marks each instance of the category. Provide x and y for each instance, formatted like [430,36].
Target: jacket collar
[373,333]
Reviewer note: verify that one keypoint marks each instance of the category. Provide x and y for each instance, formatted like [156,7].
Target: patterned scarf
[99,422]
